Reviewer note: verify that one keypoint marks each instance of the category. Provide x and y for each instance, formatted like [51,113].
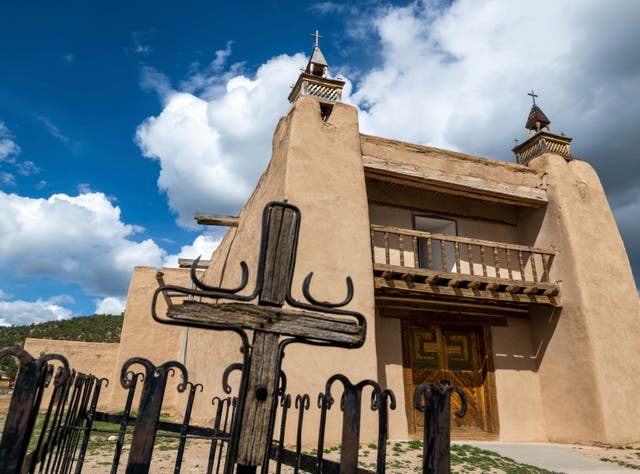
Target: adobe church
[510,281]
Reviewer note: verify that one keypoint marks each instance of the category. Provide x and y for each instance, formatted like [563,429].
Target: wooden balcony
[409,261]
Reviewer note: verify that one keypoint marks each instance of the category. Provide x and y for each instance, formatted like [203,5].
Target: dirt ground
[403,456]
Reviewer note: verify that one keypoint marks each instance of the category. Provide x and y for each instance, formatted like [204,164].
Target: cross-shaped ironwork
[311,322]
[317,37]
[533,96]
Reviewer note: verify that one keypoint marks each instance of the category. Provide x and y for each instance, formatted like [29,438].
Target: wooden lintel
[467,186]
[449,305]
[270,319]
[187,262]
[443,317]
[432,289]
[475,281]
[216,219]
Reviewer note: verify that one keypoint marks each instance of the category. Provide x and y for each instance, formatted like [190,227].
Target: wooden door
[457,355]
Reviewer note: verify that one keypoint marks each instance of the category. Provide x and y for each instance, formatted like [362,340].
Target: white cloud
[79,239]
[447,74]
[8,147]
[211,153]
[110,305]
[203,246]
[20,312]
[56,133]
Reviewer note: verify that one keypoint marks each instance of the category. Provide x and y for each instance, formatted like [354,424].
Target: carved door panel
[448,354]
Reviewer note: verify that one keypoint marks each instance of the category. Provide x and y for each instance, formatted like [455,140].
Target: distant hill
[96,328]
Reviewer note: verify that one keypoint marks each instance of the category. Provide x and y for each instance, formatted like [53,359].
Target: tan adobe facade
[508,280]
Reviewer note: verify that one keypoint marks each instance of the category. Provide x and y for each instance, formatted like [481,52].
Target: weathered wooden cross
[314,322]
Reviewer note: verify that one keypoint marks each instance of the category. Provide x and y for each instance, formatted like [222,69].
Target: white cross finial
[316,36]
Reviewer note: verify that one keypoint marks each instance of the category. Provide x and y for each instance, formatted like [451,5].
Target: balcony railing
[461,262]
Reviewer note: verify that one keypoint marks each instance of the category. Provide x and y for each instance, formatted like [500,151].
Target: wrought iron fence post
[144,434]
[436,449]
[23,407]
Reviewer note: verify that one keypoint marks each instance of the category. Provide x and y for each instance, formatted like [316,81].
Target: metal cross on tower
[312,322]
[317,37]
[533,96]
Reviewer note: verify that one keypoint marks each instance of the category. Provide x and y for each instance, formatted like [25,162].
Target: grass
[626,451]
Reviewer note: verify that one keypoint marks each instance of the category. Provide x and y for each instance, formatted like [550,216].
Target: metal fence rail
[54,437]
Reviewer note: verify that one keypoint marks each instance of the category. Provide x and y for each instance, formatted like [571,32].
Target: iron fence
[53,417]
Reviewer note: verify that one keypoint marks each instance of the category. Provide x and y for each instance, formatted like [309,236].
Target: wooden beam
[187,262]
[459,305]
[216,219]
[443,317]
[269,319]
[429,288]
[468,186]
[474,281]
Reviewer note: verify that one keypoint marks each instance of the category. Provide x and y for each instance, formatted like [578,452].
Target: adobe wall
[97,358]
[588,371]
[515,360]
[144,337]
[317,166]
[515,351]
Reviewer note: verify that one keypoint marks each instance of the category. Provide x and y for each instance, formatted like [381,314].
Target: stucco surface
[97,358]
[316,165]
[143,337]
[587,373]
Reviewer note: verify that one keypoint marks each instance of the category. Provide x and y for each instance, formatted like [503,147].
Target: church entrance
[459,355]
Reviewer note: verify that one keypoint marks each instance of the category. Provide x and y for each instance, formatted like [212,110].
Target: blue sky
[120,120]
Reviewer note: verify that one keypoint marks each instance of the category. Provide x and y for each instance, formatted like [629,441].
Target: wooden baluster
[496,261]
[429,254]
[546,263]
[533,267]
[509,265]
[456,249]
[373,246]
[482,259]
[521,264]
[401,249]
[444,255]
[470,258]
[387,258]
[416,262]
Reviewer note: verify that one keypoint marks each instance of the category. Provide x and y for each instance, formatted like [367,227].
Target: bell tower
[315,82]
[541,142]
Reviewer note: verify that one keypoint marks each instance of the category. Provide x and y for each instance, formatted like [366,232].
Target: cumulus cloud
[18,312]
[211,152]
[79,239]
[447,74]
[203,246]
[110,305]
[456,77]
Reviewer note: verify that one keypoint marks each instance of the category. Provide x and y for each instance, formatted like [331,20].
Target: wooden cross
[269,320]
[533,96]
[317,37]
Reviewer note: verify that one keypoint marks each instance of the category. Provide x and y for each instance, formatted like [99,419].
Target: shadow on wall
[522,344]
